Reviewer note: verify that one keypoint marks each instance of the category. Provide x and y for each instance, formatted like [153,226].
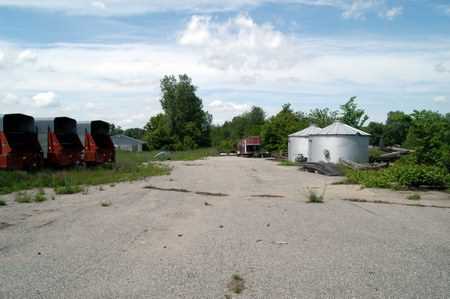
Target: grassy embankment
[129,167]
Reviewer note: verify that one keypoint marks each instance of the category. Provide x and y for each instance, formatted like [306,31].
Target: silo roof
[311,130]
[339,128]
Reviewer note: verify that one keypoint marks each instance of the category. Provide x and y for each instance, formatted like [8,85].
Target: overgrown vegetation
[40,196]
[23,197]
[402,175]
[287,163]
[128,167]
[414,196]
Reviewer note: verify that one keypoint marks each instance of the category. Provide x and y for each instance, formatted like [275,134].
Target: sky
[104,59]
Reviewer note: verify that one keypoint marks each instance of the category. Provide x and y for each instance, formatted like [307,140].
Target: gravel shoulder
[186,234]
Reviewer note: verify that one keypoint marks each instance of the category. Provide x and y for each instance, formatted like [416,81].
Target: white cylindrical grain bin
[339,141]
[298,142]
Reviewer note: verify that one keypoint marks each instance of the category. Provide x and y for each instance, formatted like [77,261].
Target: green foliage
[68,188]
[376,131]
[129,166]
[136,133]
[23,197]
[322,117]
[277,128]
[184,124]
[351,115]
[429,135]
[314,196]
[250,123]
[397,127]
[374,154]
[287,163]
[401,175]
[414,196]
[40,196]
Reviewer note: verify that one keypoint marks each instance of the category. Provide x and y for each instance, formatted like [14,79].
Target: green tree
[429,135]
[116,130]
[277,128]
[157,133]
[352,115]
[397,127]
[322,117]
[376,131]
[136,133]
[184,122]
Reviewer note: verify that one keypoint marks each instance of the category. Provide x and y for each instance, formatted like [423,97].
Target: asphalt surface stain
[203,193]
[4,225]
[268,196]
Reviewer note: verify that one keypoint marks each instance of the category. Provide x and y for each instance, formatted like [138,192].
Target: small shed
[298,143]
[127,143]
[339,141]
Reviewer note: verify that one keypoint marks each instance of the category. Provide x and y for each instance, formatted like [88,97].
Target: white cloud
[9,99]
[440,99]
[98,5]
[220,106]
[393,12]
[357,9]
[239,43]
[45,99]
[26,56]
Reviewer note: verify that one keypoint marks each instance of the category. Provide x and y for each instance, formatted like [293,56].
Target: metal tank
[339,141]
[298,143]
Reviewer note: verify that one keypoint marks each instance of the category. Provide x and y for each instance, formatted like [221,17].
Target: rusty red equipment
[59,141]
[96,138]
[19,146]
[249,146]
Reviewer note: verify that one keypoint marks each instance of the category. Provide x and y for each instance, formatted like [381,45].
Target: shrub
[414,196]
[401,175]
[40,196]
[23,197]
[2,202]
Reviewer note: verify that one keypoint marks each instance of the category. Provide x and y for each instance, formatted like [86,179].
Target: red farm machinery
[19,145]
[59,141]
[96,139]
[250,146]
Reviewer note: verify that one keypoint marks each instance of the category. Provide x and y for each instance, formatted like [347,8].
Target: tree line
[184,124]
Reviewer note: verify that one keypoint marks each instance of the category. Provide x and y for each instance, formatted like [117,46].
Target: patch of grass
[414,196]
[2,202]
[40,196]
[314,196]
[287,163]
[23,197]
[68,188]
[106,203]
[237,284]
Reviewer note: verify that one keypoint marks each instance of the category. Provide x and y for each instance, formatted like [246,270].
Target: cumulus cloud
[239,43]
[9,99]
[393,12]
[440,99]
[45,99]
[98,5]
[220,106]
[26,56]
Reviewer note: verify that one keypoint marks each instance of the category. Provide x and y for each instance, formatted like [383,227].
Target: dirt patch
[211,194]
[167,189]
[394,203]
[268,196]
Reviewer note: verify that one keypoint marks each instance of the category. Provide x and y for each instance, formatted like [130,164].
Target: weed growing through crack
[415,196]
[23,197]
[314,196]
[237,284]
[40,196]
[106,203]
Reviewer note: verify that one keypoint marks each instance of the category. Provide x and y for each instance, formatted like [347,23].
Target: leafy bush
[401,175]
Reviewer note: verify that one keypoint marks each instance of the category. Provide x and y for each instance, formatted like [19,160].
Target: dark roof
[127,138]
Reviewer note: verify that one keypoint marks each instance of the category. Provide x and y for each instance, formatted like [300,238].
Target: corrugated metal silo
[299,142]
[339,141]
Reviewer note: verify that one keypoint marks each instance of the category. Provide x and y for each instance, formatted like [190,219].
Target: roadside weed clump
[287,163]
[314,196]
[68,188]
[40,196]
[237,284]
[105,203]
[414,196]
[23,197]
[2,203]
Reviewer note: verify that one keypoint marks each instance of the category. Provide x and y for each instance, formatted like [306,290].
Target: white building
[339,141]
[299,142]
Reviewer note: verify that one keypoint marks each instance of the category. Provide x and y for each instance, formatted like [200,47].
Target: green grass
[287,163]
[40,196]
[23,197]
[128,167]
[237,284]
